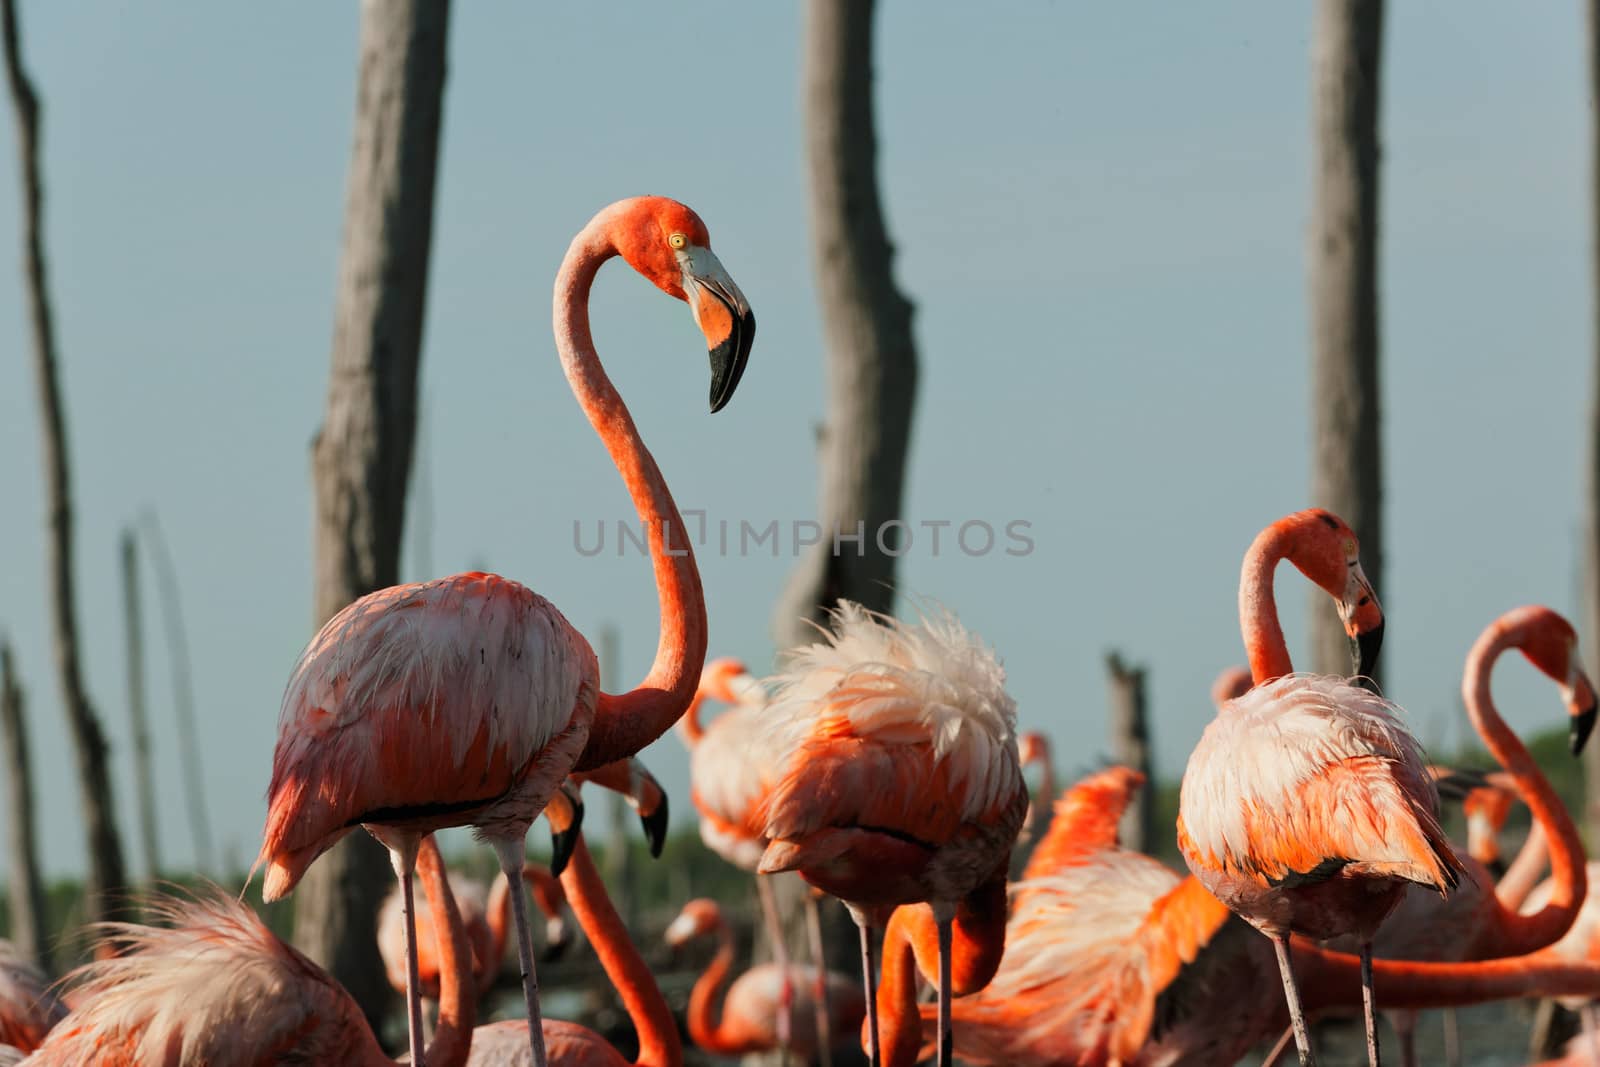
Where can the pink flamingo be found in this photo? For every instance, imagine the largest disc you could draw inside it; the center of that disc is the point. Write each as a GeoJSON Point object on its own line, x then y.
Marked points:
{"type": "Point", "coordinates": [1034, 747]}
{"type": "Point", "coordinates": [1307, 806]}
{"type": "Point", "coordinates": [570, 1045]}
{"type": "Point", "coordinates": [467, 700]}
{"type": "Point", "coordinates": [28, 1006]}
{"type": "Point", "coordinates": [901, 784]}
{"type": "Point", "coordinates": [217, 987]}
{"type": "Point", "coordinates": [745, 1020]}
{"type": "Point", "coordinates": [1231, 684]}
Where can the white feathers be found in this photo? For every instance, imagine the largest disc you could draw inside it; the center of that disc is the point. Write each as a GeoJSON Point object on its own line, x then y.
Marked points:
{"type": "Point", "coordinates": [26, 999]}
{"type": "Point", "coordinates": [1262, 747]}
{"type": "Point", "coordinates": [932, 682]}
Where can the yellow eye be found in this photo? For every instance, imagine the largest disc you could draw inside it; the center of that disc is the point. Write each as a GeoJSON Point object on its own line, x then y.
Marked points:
{"type": "Point", "coordinates": [677, 240]}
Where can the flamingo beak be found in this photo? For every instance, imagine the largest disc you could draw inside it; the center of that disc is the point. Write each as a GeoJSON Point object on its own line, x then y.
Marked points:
{"type": "Point", "coordinates": [655, 827]}
{"type": "Point", "coordinates": [723, 315]}
{"type": "Point", "coordinates": [1581, 707]}
{"type": "Point", "coordinates": [1363, 621]}
{"type": "Point", "coordinates": [564, 838]}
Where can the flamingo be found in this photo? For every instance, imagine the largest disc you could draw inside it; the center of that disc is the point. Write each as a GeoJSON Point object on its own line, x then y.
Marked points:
{"type": "Point", "coordinates": [1034, 747]}
{"type": "Point", "coordinates": [1231, 684]}
{"type": "Point", "coordinates": [467, 700]}
{"type": "Point", "coordinates": [901, 783]}
{"type": "Point", "coordinates": [1085, 820]}
{"type": "Point", "coordinates": [505, 1044]}
{"type": "Point", "coordinates": [745, 1019]}
{"type": "Point", "coordinates": [1307, 807]}
{"type": "Point", "coordinates": [215, 986]}
{"type": "Point", "coordinates": [1113, 959]}
{"type": "Point", "coordinates": [1473, 923]}
{"type": "Point", "coordinates": [28, 1006]}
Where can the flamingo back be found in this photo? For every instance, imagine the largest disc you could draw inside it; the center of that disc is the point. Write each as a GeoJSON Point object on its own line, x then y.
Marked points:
{"type": "Point", "coordinates": [728, 780]}
{"type": "Point", "coordinates": [214, 987]}
{"type": "Point", "coordinates": [1581, 942]}
{"type": "Point", "coordinates": [896, 726]}
{"type": "Point", "coordinates": [1306, 777]}
{"type": "Point", "coordinates": [28, 1006]}
{"type": "Point", "coordinates": [421, 705]}
{"type": "Point", "coordinates": [753, 1002]}
{"type": "Point", "coordinates": [505, 1044]}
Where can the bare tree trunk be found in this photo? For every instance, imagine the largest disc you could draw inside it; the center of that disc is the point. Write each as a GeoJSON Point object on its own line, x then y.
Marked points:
{"type": "Point", "coordinates": [105, 876]}
{"type": "Point", "coordinates": [1130, 746]}
{"type": "Point", "coordinates": [144, 787]}
{"type": "Point", "coordinates": [194, 790]}
{"type": "Point", "coordinates": [362, 453]}
{"type": "Point", "coordinates": [26, 893]}
{"type": "Point", "coordinates": [1347, 462]}
{"type": "Point", "coordinates": [872, 359]}
{"type": "Point", "coordinates": [1591, 601]}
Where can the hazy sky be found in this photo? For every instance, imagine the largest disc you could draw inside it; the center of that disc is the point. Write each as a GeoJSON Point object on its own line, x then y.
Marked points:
{"type": "Point", "coordinates": [1099, 211]}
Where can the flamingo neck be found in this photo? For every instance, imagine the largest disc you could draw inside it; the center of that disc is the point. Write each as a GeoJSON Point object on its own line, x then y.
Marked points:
{"type": "Point", "coordinates": [690, 725]}
{"type": "Point", "coordinates": [1332, 980]}
{"type": "Point", "coordinates": [1523, 874]}
{"type": "Point", "coordinates": [627, 722]}
{"type": "Point", "coordinates": [899, 1020]}
{"type": "Point", "coordinates": [458, 1004]}
{"type": "Point", "coordinates": [1258, 608]}
{"type": "Point", "coordinates": [1525, 933]}
{"type": "Point", "coordinates": [586, 893]}
{"type": "Point", "coordinates": [707, 1027]}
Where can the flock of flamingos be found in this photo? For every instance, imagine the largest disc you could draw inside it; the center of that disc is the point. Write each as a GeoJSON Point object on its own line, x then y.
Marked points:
{"type": "Point", "coordinates": [883, 765]}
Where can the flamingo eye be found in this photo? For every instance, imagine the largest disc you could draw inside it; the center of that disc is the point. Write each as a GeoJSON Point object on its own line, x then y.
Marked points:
{"type": "Point", "coordinates": [677, 240]}
{"type": "Point", "coordinates": [1350, 549]}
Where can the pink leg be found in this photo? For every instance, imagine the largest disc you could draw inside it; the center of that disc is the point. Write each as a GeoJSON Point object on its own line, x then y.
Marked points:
{"type": "Point", "coordinates": [404, 859]}
{"type": "Point", "coordinates": [1281, 1049]}
{"type": "Point", "coordinates": [1369, 1004]}
{"type": "Point", "coordinates": [869, 980]}
{"type": "Point", "coordinates": [510, 853]}
{"type": "Point", "coordinates": [944, 914]}
{"type": "Point", "coordinates": [1297, 1017]}
{"type": "Point", "coordinates": [819, 995]}
{"type": "Point", "coordinates": [780, 956]}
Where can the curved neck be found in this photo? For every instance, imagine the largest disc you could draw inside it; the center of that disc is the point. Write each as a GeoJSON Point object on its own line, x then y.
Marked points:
{"type": "Point", "coordinates": [706, 1025]}
{"type": "Point", "coordinates": [625, 723]}
{"type": "Point", "coordinates": [586, 893]}
{"type": "Point", "coordinates": [1258, 609]}
{"type": "Point", "coordinates": [458, 1005]}
{"type": "Point", "coordinates": [1523, 874]}
{"type": "Point", "coordinates": [690, 725]}
{"type": "Point", "coordinates": [1524, 933]}
{"type": "Point", "coordinates": [1331, 980]}
{"type": "Point", "coordinates": [899, 1020]}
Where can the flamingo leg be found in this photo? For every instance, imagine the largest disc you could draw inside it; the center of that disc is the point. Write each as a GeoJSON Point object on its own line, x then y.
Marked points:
{"type": "Point", "coordinates": [1452, 1039]}
{"type": "Point", "coordinates": [1405, 1030]}
{"type": "Point", "coordinates": [1591, 1030]}
{"type": "Point", "coordinates": [1276, 1054]}
{"type": "Point", "coordinates": [819, 995]}
{"type": "Point", "coordinates": [403, 855]}
{"type": "Point", "coordinates": [869, 981]}
{"type": "Point", "coordinates": [780, 956]}
{"type": "Point", "coordinates": [944, 915]}
{"type": "Point", "coordinates": [510, 853]}
{"type": "Point", "coordinates": [1369, 1004]}
{"type": "Point", "coordinates": [1297, 1017]}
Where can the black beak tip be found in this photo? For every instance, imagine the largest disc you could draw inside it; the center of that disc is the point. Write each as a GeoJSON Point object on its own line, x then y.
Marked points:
{"type": "Point", "coordinates": [1367, 645]}
{"type": "Point", "coordinates": [728, 360]}
{"type": "Point", "coordinates": [655, 828]}
{"type": "Point", "coordinates": [1582, 727]}
{"type": "Point", "coordinates": [563, 843]}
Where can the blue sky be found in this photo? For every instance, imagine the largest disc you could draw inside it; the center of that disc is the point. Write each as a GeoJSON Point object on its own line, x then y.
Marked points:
{"type": "Point", "coordinates": [1099, 211]}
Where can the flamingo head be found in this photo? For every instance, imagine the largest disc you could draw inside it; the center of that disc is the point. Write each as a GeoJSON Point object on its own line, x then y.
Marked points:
{"type": "Point", "coordinates": [1231, 684]}
{"type": "Point", "coordinates": [1551, 644]}
{"type": "Point", "coordinates": [667, 243]}
{"type": "Point", "coordinates": [698, 917]}
{"type": "Point", "coordinates": [728, 680]}
{"type": "Point", "coordinates": [1328, 553]}
{"type": "Point", "coordinates": [1486, 808]}
{"type": "Point", "coordinates": [1033, 747]}
{"type": "Point", "coordinates": [551, 897]}
{"type": "Point", "coordinates": [564, 813]}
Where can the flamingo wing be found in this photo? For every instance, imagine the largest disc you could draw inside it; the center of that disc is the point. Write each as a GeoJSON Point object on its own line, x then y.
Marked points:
{"type": "Point", "coordinates": [1084, 821]}
{"type": "Point", "coordinates": [1308, 776]}
{"type": "Point", "coordinates": [421, 702]}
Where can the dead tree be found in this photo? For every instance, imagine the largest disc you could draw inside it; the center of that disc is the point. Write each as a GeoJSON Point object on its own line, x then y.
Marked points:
{"type": "Point", "coordinates": [361, 457]}
{"type": "Point", "coordinates": [1347, 457]}
{"type": "Point", "coordinates": [104, 887]}
{"type": "Point", "coordinates": [194, 791]}
{"type": "Point", "coordinates": [138, 722]}
{"type": "Point", "coordinates": [28, 930]}
{"type": "Point", "coordinates": [1130, 746]}
{"type": "Point", "coordinates": [871, 356]}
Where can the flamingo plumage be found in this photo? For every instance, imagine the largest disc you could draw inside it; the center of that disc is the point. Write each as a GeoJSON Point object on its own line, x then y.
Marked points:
{"type": "Point", "coordinates": [1307, 806]}
{"type": "Point", "coordinates": [731, 1020]}
{"type": "Point", "coordinates": [29, 1008]}
{"type": "Point", "coordinates": [216, 986]}
{"type": "Point", "coordinates": [467, 700]}
{"type": "Point", "coordinates": [901, 783]}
